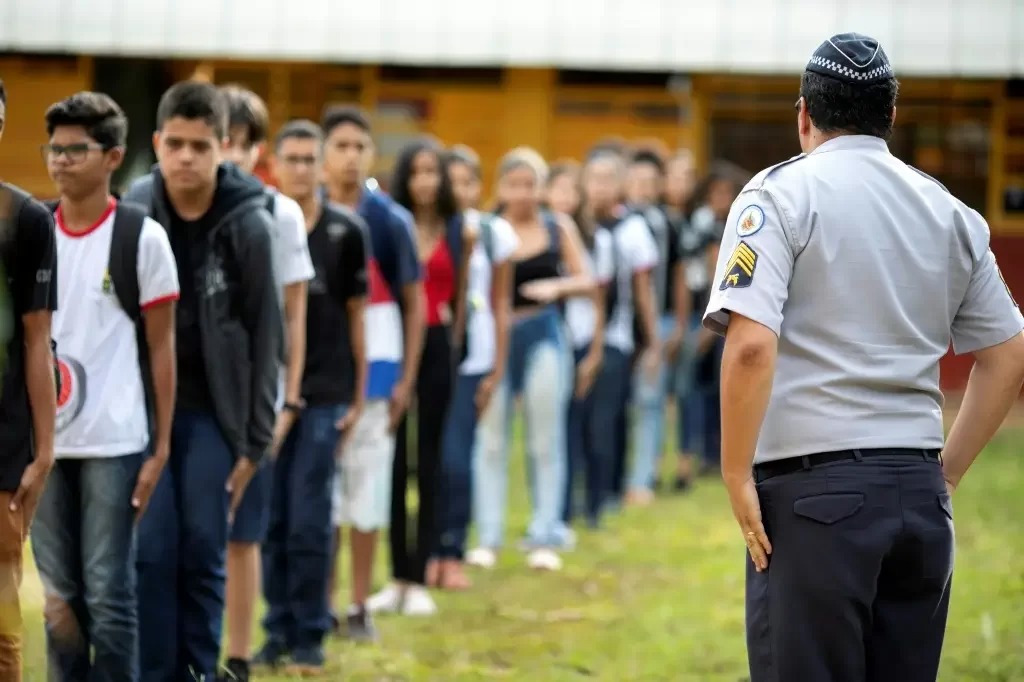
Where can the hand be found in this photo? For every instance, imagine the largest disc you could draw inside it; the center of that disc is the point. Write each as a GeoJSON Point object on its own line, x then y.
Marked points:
{"type": "Point", "coordinates": [674, 344]}
{"type": "Point", "coordinates": [399, 403]}
{"type": "Point", "coordinates": [33, 481]}
{"type": "Point", "coordinates": [650, 363]}
{"type": "Point", "coordinates": [541, 290]}
{"type": "Point", "coordinates": [62, 625]}
{"type": "Point", "coordinates": [238, 481]}
{"type": "Point", "coordinates": [346, 426]}
{"type": "Point", "coordinates": [586, 374]}
{"type": "Point", "coordinates": [747, 509]}
{"type": "Point", "coordinates": [149, 476]}
{"type": "Point", "coordinates": [484, 392]}
{"type": "Point", "coordinates": [286, 419]}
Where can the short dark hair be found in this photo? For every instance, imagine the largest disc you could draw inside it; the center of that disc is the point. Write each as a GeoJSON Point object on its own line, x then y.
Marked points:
{"type": "Point", "coordinates": [648, 157]}
{"type": "Point", "coordinates": [446, 205]}
{"type": "Point", "coordinates": [340, 115]}
{"type": "Point", "coordinates": [194, 100]}
{"type": "Point", "coordinates": [465, 155]}
{"type": "Point", "coordinates": [246, 109]}
{"type": "Point", "coordinates": [564, 167]}
{"type": "Point", "coordinates": [102, 118]}
{"type": "Point", "coordinates": [299, 129]}
{"type": "Point", "coordinates": [3, 93]}
{"type": "Point", "coordinates": [837, 106]}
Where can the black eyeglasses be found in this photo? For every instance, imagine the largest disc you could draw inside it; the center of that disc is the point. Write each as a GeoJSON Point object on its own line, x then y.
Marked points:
{"type": "Point", "coordinates": [74, 153]}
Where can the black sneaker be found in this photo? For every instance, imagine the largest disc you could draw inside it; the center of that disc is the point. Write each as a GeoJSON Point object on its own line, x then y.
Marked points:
{"type": "Point", "coordinates": [271, 655]}
{"type": "Point", "coordinates": [306, 661]}
{"type": "Point", "coordinates": [235, 670]}
{"type": "Point", "coordinates": [360, 626]}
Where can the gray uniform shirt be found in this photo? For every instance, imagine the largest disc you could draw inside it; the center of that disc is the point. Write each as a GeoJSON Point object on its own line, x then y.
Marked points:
{"type": "Point", "coordinates": [866, 269]}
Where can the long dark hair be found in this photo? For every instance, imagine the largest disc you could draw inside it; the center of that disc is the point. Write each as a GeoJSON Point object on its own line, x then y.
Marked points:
{"type": "Point", "coordinates": [447, 208]}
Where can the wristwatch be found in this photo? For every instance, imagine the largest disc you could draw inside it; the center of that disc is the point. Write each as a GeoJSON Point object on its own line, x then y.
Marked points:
{"type": "Point", "coordinates": [294, 408]}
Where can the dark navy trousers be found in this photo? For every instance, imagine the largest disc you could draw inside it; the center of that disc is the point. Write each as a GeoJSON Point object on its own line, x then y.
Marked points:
{"type": "Point", "coordinates": [858, 583]}
{"type": "Point", "coordinates": [182, 541]}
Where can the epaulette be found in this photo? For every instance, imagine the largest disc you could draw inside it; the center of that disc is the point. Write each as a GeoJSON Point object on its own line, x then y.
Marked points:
{"type": "Point", "coordinates": [757, 182]}
{"type": "Point", "coordinates": [925, 175]}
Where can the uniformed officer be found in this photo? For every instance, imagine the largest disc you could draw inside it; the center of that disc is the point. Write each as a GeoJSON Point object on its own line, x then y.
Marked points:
{"type": "Point", "coordinates": [844, 274]}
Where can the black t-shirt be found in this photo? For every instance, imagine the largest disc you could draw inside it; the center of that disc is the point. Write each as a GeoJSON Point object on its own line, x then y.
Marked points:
{"type": "Point", "coordinates": [193, 391]}
{"type": "Point", "coordinates": [337, 247]}
{"type": "Point", "coordinates": [29, 259]}
{"type": "Point", "coordinates": [673, 256]}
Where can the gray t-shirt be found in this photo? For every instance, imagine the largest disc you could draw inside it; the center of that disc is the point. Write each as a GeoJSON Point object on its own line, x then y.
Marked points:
{"type": "Point", "coordinates": [867, 270]}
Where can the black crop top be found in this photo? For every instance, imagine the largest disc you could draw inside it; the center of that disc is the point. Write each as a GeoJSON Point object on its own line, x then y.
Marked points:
{"type": "Point", "coordinates": [544, 265]}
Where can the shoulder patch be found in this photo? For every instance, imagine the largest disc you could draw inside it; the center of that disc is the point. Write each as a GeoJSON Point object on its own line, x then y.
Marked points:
{"type": "Point", "coordinates": [751, 220]}
{"type": "Point", "coordinates": [739, 270]}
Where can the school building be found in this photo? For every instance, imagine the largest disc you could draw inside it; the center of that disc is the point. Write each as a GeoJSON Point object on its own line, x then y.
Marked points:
{"type": "Point", "coordinates": [719, 78]}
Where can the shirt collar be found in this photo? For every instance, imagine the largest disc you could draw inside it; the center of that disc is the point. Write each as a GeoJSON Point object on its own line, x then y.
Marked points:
{"type": "Point", "coordinates": [841, 142]}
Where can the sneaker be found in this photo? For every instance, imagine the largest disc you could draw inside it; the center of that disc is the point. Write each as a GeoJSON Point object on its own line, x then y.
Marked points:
{"type": "Point", "coordinates": [544, 560]}
{"type": "Point", "coordinates": [306, 661]}
{"type": "Point", "coordinates": [388, 600]}
{"type": "Point", "coordinates": [360, 625]}
{"type": "Point", "coordinates": [271, 655]}
{"type": "Point", "coordinates": [235, 670]}
{"type": "Point", "coordinates": [482, 557]}
{"type": "Point", "coordinates": [418, 602]}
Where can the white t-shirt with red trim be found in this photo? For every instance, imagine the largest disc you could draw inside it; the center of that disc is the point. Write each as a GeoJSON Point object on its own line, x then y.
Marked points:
{"type": "Point", "coordinates": [101, 408]}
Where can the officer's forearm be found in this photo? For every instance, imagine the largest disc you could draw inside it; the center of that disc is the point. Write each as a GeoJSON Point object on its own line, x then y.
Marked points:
{"type": "Point", "coordinates": [748, 365]}
{"type": "Point", "coordinates": [991, 391]}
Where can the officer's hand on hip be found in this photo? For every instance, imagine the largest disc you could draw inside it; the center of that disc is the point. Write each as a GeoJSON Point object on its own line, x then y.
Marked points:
{"type": "Point", "coordinates": [747, 508]}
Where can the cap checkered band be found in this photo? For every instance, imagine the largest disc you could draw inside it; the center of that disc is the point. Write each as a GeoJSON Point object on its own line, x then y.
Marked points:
{"type": "Point", "coordinates": [877, 72]}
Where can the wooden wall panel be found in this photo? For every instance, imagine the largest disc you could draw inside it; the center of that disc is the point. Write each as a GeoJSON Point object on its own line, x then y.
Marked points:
{"type": "Point", "coordinates": [33, 84]}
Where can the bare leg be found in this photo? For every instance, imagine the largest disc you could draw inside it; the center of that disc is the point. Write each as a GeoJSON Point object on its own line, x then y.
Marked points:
{"type": "Point", "coordinates": [364, 547]}
{"type": "Point", "coordinates": [241, 592]}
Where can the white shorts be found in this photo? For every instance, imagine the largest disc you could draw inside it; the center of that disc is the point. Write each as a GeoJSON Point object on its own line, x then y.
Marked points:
{"type": "Point", "coordinates": [362, 484]}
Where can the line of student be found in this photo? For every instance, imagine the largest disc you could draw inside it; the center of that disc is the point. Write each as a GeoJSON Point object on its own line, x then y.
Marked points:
{"type": "Point", "coordinates": [235, 392]}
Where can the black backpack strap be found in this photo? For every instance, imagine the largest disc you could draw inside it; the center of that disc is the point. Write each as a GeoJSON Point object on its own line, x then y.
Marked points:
{"type": "Point", "coordinates": [123, 265]}
{"type": "Point", "coordinates": [271, 201]}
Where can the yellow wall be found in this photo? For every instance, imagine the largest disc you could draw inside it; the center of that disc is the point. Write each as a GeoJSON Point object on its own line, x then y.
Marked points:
{"type": "Point", "coordinates": [33, 84]}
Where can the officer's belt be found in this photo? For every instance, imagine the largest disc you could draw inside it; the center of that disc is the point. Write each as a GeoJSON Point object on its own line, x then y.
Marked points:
{"type": "Point", "coordinates": [807, 462]}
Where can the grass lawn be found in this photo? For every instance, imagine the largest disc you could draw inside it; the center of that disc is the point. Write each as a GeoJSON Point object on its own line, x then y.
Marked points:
{"type": "Point", "coordinates": [658, 595]}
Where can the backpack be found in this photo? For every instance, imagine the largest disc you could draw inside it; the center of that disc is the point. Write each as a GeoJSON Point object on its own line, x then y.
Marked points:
{"type": "Point", "coordinates": [15, 199]}
{"type": "Point", "coordinates": [123, 269]}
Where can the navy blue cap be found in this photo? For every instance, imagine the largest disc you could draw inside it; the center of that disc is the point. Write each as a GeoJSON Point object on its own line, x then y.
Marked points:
{"type": "Point", "coordinates": [852, 58]}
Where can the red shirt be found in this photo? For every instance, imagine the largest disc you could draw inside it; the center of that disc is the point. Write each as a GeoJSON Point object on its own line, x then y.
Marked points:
{"type": "Point", "coordinates": [439, 284]}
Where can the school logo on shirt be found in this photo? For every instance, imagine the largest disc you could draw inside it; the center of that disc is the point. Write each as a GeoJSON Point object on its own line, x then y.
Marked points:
{"type": "Point", "coordinates": [72, 391]}
{"type": "Point", "coordinates": [739, 271]}
{"type": "Point", "coordinates": [751, 220]}
{"type": "Point", "coordinates": [107, 285]}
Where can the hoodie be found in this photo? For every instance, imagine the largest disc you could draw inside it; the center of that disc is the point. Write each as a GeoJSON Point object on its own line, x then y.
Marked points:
{"type": "Point", "coordinates": [230, 328]}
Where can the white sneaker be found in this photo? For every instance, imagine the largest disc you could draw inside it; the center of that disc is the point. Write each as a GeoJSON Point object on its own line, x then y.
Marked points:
{"type": "Point", "coordinates": [544, 560]}
{"type": "Point", "coordinates": [481, 557]}
{"type": "Point", "coordinates": [388, 600]}
{"type": "Point", "coordinates": [418, 602]}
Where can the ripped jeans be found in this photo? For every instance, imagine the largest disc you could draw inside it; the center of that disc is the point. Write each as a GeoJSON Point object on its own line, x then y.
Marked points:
{"type": "Point", "coordinates": [540, 370]}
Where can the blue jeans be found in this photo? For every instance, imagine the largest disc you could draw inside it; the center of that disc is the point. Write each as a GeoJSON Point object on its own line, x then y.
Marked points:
{"type": "Point", "coordinates": [182, 542]}
{"type": "Point", "coordinates": [296, 552]}
{"type": "Point", "coordinates": [540, 370]}
{"type": "Point", "coordinates": [590, 444]}
{"type": "Point", "coordinates": [455, 497]}
{"type": "Point", "coordinates": [649, 395]}
{"type": "Point", "coordinates": [689, 398]}
{"type": "Point", "coordinates": [83, 540]}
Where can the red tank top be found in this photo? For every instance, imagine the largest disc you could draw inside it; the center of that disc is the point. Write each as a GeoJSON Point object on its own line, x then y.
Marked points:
{"type": "Point", "coordinates": [439, 284]}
